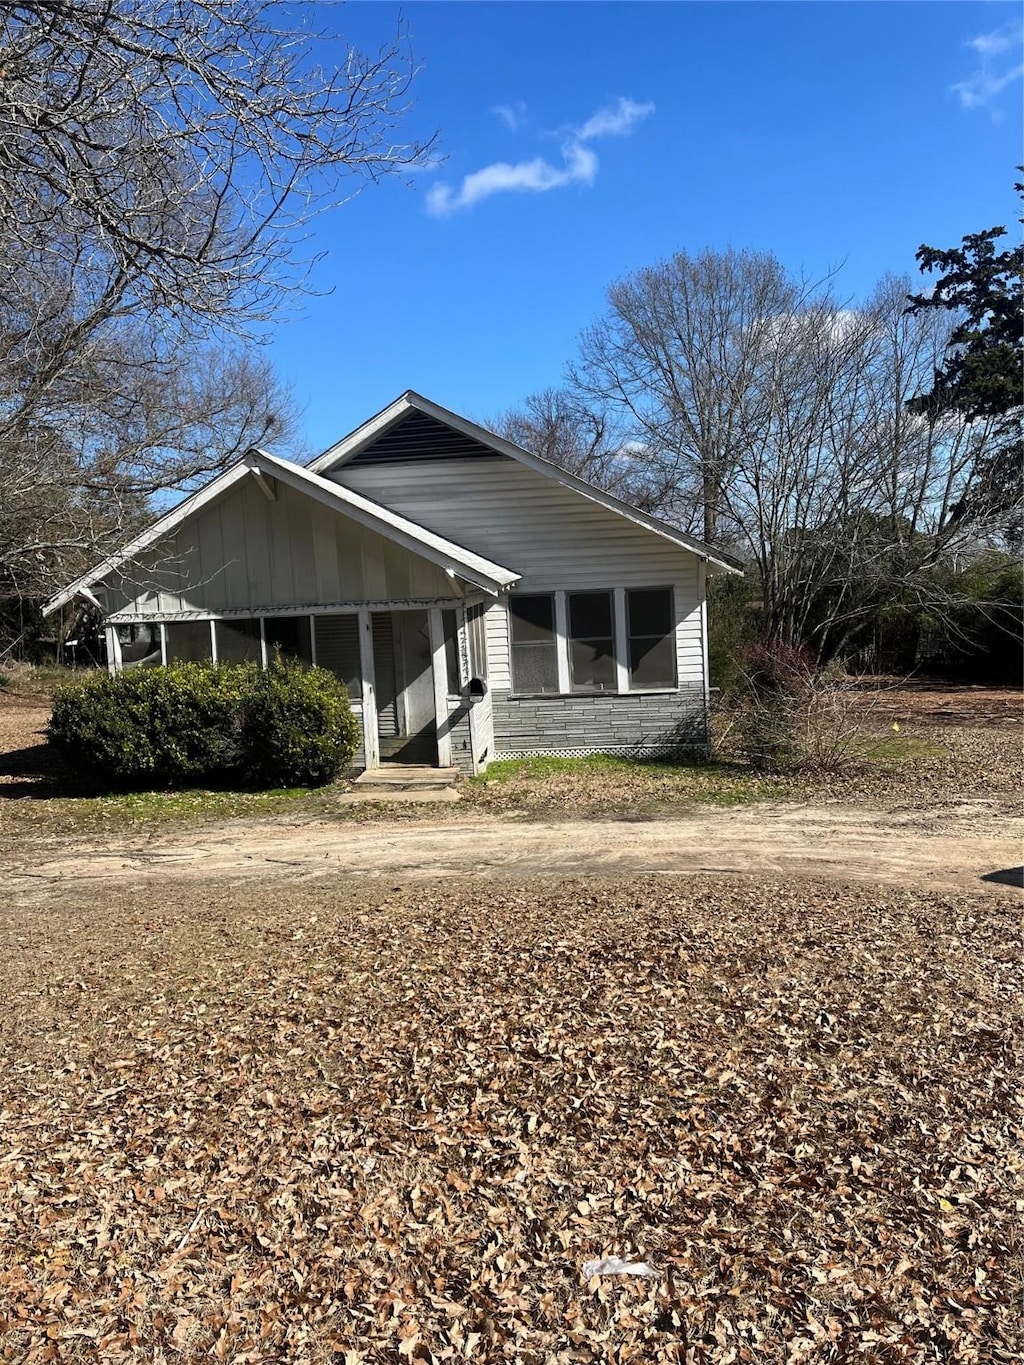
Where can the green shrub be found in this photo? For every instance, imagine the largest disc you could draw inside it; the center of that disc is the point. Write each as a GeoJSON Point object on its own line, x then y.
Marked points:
{"type": "Point", "coordinates": [153, 726]}
{"type": "Point", "coordinates": [200, 723]}
{"type": "Point", "coordinates": [297, 728]}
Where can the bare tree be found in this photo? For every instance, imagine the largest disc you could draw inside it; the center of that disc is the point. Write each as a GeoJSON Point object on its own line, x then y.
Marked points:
{"type": "Point", "coordinates": [159, 160]}
{"type": "Point", "coordinates": [782, 413]}
{"type": "Point", "coordinates": [80, 477]}
{"type": "Point", "coordinates": [678, 354]}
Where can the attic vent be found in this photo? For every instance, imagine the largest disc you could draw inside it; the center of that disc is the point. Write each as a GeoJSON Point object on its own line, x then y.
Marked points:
{"type": "Point", "coordinates": [419, 437]}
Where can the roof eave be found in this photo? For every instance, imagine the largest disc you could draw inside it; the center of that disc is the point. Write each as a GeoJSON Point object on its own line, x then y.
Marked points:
{"type": "Point", "coordinates": [349, 447]}
{"type": "Point", "coordinates": [473, 569]}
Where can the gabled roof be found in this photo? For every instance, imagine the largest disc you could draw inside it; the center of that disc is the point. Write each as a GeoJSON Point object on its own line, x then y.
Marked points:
{"type": "Point", "coordinates": [454, 559]}
{"type": "Point", "coordinates": [471, 435]}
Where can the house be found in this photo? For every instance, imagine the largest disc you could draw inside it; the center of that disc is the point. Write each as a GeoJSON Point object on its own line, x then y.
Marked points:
{"type": "Point", "coordinates": [478, 601]}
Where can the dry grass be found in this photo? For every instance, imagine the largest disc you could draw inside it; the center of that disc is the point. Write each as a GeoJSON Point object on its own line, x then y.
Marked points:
{"type": "Point", "coordinates": [372, 1124]}
{"type": "Point", "coordinates": [952, 746]}
{"type": "Point", "coordinates": [921, 767]}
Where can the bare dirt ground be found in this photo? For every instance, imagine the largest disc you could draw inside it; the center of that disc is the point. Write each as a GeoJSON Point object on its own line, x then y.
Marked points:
{"type": "Point", "coordinates": [942, 704]}
{"type": "Point", "coordinates": [835, 841]}
{"type": "Point", "coordinates": [947, 822]}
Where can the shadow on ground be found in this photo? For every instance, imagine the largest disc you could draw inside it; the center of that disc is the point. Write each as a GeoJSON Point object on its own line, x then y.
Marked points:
{"type": "Point", "coordinates": [37, 771]}
{"type": "Point", "coordinates": [1008, 876]}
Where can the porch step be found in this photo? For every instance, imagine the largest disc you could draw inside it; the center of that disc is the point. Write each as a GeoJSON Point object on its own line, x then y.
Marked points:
{"type": "Point", "coordinates": [407, 775]}
{"type": "Point", "coordinates": [403, 782]}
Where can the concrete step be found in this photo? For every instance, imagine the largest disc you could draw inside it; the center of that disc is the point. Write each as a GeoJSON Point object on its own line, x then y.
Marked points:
{"type": "Point", "coordinates": [398, 795]}
{"type": "Point", "coordinates": [407, 777]}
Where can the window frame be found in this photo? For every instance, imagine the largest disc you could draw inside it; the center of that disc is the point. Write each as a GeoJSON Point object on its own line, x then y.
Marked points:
{"type": "Point", "coordinates": [629, 635]}
{"type": "Point", "coordinates": [555, 645]}
{"type": "Point", "coordinates": [577, 690]}
{"type": "Point", "coordinates": [620, 642]}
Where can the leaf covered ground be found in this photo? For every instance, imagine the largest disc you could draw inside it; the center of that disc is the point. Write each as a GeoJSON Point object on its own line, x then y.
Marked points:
{"type": "Point", "coordinates": [366, 1123]}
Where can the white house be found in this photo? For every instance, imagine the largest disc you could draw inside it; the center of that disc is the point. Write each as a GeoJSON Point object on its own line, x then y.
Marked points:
{"type": "Point", "coordinates": [478, 601]}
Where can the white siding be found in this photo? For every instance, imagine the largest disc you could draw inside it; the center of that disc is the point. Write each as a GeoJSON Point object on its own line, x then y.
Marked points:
{"type": "Point", "coordinates": [246, 553]}
{"type": "Point", "coordinates": [552, 535]}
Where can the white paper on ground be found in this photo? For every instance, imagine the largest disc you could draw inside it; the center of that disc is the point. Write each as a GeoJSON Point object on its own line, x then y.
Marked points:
{"type": "Point", "coordinates": [614, 1265]}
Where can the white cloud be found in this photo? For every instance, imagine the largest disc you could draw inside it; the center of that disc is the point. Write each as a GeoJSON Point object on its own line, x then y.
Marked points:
{"type": "Point", "coordinates": [998, 41]}
{"type": "Point", "coordinates": [614, 120]}
{"type": "Point", "coordinates": [579, 168]}
{"type": "Point", "coordinates": [511, 115]}
{"type": "Point", "coordinates": [579, 163]}
{"type": "Point", "coordinates": [991, 77]}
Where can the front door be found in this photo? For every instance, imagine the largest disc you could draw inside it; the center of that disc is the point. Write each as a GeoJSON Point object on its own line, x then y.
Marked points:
{"type": "Point", "coordinates": [405, 687]}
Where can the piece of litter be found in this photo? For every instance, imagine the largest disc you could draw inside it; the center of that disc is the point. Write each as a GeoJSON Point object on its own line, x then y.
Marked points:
{"type": "Point", "coordinates": [614, 1265]}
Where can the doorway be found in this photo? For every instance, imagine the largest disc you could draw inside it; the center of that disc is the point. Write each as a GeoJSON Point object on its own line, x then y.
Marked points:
{"type": "Point", "coordinates": [403, 669]}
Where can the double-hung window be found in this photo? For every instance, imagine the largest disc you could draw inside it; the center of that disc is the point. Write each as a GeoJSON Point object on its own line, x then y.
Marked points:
{"type": "Point", "coordinates": [652, 643]}
{"type": "Point", "coordinates": [592, 642]}
{"type": "Point", "coordinates": [533, 643]}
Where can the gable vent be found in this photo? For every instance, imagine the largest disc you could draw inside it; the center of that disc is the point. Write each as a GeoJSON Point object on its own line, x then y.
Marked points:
{"type": "Point", "coordinates": [419, 437]}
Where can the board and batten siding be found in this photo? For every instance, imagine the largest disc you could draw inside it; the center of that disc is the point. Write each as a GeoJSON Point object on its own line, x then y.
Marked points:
{"type": "Point", "coordinates": [553, 535]}
{"type": "Point", "coordinates": [245, 553]}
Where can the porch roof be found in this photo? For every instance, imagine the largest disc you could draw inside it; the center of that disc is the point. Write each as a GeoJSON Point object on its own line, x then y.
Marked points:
{"type": "Point", "coordinates": [455, 559]}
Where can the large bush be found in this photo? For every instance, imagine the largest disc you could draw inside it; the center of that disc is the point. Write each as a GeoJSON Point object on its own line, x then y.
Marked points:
{"type": "Point", "coordinates": [202, 723]}
{"type": "Point", "coordinates": [784, 712]}
{"type": "Point", "coordinates": [297, 728]}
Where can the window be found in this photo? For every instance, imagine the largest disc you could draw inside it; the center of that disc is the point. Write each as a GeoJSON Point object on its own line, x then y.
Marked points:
{"type": "Point", "coordinates": [652, 642]}
{"type": "Point", "coordinates": [140, 645]}
{"type": "Point", "coordinates": [188, 642]}
{"type": "Point", "coordinates": [591, 642]}
{"type": "Point", "coordinates": [238, 642]}
{"type": "Point", "coordinates": [288, 636]}
{"type": "Point", "coordinates": [533, 643]}
{"type": "Point", "coordinates": [450, 626]}
{"type": "Point", "coordinates": [337, 648]}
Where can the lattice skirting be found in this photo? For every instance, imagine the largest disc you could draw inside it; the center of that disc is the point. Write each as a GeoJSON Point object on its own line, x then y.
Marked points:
{"type": "Point", "coordinates": [612, 750]}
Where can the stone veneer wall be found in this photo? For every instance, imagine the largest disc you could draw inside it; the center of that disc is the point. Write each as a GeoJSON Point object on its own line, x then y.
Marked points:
{"type": "Point", "coordinates": [458, 723]}
{"type": "Point", "coordinates": [653, 723]}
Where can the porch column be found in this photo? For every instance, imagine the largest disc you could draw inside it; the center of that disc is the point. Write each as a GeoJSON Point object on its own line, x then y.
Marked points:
{"type": "Point", "coordinates": [371, 743]}
{"type": "Point", "coordinates": [113, 649]}
{"type": "Point", "coordinates": [439, 668]}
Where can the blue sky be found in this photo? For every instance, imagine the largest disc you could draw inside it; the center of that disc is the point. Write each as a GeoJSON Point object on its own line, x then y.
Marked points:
{"type": "Point", "coordinates": [584, 141]}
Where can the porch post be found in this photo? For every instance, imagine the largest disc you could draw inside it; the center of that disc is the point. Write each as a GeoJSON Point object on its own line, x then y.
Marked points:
{"type": "Point", "coordinates": [439, 668]}
{"type": "Point", "coordinates": [113, 649]}
{"type": "Point", "coordinates": [371, 744]}
{"type": "Point", "coordinates": [702, 592]}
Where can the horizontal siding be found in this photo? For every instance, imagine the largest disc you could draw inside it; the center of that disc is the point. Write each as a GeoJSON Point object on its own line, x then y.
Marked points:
{"type": "Point", "coordinates": [554, 536]}
{"type": "Point", "coordinates": [530, 725]}
{"type": "Point", "coordinates": [246, 553]}
{"type": "Point", "coordinates": [496, 636]}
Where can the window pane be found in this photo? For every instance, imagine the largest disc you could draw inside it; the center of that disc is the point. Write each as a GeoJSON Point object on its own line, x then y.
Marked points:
{"type": "Point", "coordinates": [337, 648]}
{"type": "Point", "coordinates": [652, 663]}
{"type": "Point", "coordinates": [188, 642]}
{"type": "Point", "coordinates": [289, 636]}
{"type": "Point", "coordinates": [534, 668]}
{"type": "Point", "coordinates": [590, 615]}
{"type": "Point", "coordinates": [140, 646]}
{"type": "Point", "coordinates": [238, 642]}
{"type": "Point", "coordinates": [649, 611]}
{"type": "Point", "coordinates": [450, 624]}
{"type": "Point", "coordinates": [532, 618]}
{"type": "Point", "coordinates": [593, 665]}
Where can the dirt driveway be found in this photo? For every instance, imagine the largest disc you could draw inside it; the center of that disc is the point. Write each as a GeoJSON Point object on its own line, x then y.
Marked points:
{"type": "Point", "coordinates": [954, 852]}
